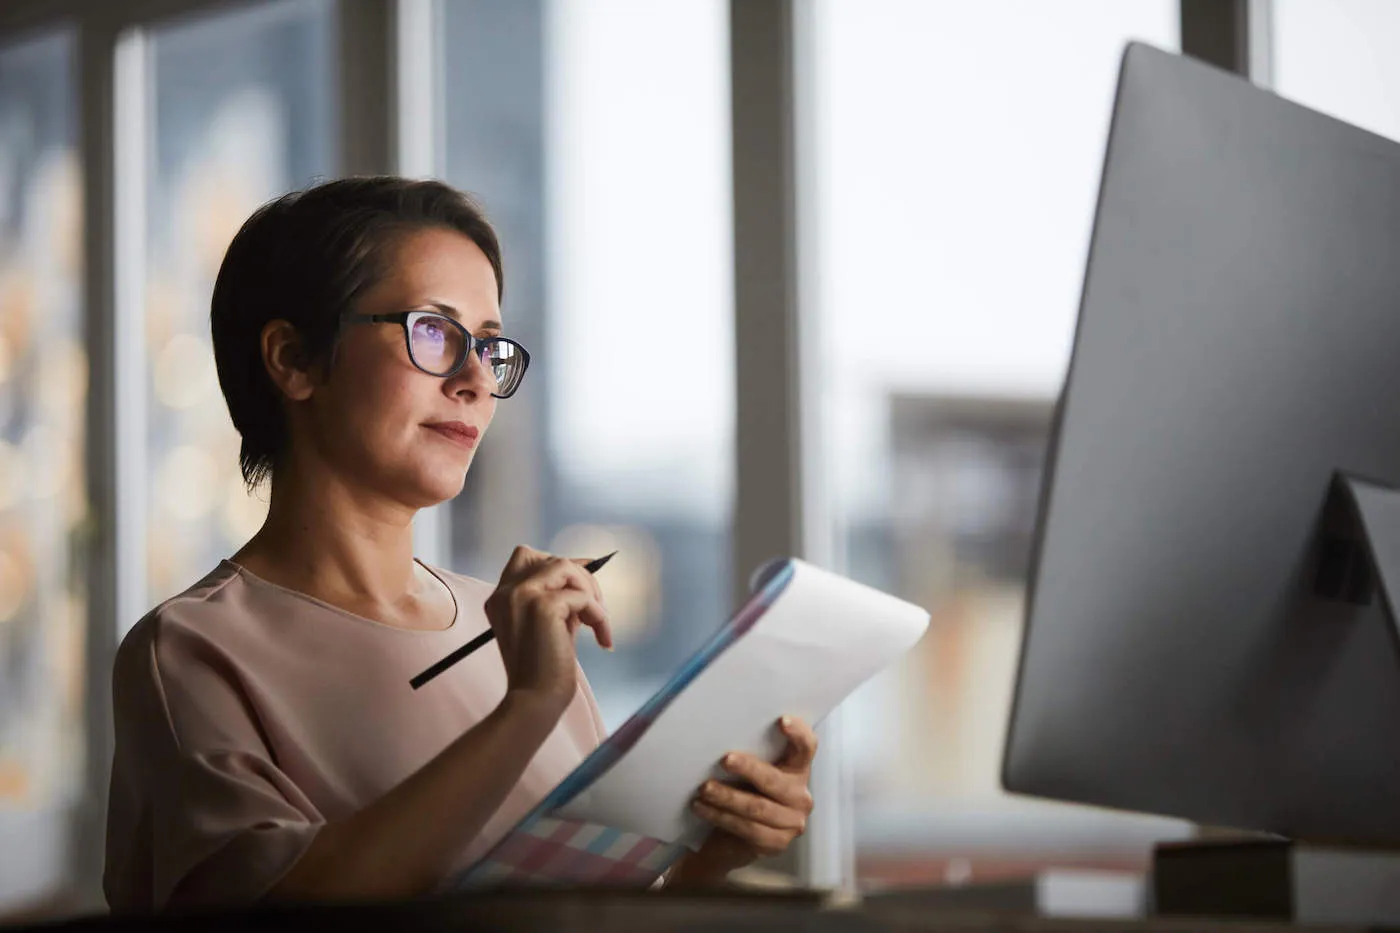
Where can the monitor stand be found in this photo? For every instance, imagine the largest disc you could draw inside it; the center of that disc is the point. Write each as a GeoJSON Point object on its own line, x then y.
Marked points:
{"type": "Point", "coordinates": [1358, 559]}
{"type": "Point", "coordinates": [1277, 879]}
{"type": "Point", "coordinates": [1359, 544]}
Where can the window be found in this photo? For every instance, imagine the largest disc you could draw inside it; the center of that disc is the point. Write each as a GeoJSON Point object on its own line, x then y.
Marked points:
{"type": "Point", "coordinates": [597, 133]}
{"type": "Point", "coordinates": [1338, 56]}
{"type": "Point", "coordinates": [957, 157]}
{"type": "Point", "coordinates": [242, 111]}
{"type": "Point", "coordinates": [43, 397]}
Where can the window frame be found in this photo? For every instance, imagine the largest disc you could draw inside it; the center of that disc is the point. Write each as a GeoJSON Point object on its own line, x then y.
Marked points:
{"type": "Point", "coordinates": [390, 117]}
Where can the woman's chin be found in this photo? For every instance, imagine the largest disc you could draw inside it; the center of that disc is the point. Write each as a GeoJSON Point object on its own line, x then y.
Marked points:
{"type": "Point", "coordinates": [421, 481]}
{"type": "Point", "coordinates": [441, 484]}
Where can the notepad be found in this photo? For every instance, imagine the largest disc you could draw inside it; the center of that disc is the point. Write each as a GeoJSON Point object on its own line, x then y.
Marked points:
{"type": "Point", "coordinates": [800, 645]}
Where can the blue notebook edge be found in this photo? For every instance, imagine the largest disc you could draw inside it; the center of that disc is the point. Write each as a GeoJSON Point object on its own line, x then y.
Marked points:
{"type": "Point", "coordinates": [770, 582]}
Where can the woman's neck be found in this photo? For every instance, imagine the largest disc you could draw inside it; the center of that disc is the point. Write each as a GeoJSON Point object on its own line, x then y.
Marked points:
{"type": "Point", "coordinates": [337, 544]}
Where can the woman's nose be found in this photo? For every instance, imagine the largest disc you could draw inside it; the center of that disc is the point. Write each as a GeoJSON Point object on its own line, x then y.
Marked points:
{"type": "Point", "coordinates": [473, 379]}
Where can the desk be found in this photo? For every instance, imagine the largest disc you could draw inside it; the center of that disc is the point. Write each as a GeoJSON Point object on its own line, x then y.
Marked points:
{"type": "Point", "coordinates": [631, 912]}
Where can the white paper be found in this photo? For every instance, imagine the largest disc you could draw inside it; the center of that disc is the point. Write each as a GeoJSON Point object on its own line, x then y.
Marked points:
{"type": "Point", "coordinates": [825, 636]}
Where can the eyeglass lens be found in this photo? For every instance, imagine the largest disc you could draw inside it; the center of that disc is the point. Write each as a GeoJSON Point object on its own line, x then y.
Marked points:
{"type": "Point", "coordinates": [505, 364]}
{"type": "Point", "coordinates": [439, 347]}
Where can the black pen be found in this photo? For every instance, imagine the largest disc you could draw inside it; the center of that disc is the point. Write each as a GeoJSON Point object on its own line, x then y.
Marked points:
{"type": "Point", "coordinates": [593, 566]}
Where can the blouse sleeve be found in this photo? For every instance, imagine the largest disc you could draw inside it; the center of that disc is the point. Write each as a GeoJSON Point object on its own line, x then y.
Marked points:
{"type": "Point", "coordinates": [600, 730]}
{"type": "Point", "coordinates": [199, 812]}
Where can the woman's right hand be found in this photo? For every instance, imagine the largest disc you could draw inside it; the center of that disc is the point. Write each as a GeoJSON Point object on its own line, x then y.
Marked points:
{"type": "Point", "coordinates": [405, 842]}
{"type": "Point", "coordinates": [535, 610]}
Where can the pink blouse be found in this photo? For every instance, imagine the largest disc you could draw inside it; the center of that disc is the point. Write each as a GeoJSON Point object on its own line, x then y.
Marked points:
{"type": "Point", "coordinates": [248, 715]}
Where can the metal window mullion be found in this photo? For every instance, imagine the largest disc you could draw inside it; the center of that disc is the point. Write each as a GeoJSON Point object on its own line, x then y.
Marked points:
{"type": "Point", "coordinates": [781, 503]}
{"type": "Point", "coordinates": [829, 857]}
{"type": "Point", "coordinates": [365, 30]}
{"type": "Point", "coordinates": [113, 147]}
{"type": "Point", "coordinates": [1236, 35]}
{"type": "Point", "coordinates": [388, 109]}
{"type": "Point", "coordinates": [417, 112]}
{"type": "Point", "coordinates": [1259, 38]}
{"type": "Point", "coordinates": [415, 121]}
{"type": "Point", "coordinates": [131, 86]}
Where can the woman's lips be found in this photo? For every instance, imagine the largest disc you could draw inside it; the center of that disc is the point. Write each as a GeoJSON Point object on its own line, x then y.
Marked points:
{"type": "Point", "coordinates": [456, 432]}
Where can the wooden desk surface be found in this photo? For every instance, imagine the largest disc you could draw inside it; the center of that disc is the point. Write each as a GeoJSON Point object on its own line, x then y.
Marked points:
{"type": "Point", "coordinates": [631, 912]}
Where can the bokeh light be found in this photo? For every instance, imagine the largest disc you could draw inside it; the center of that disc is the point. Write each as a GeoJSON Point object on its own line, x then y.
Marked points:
{"type": "Point", "coordinates": [43, 397]}
{"type": "Point", "coordinates": [162, 310]}
{"type": "Point", "coordinates": [631, 583]}
{"type": "Point", "coordinates": [12, 475]}
{"type": "Point", "coordinates": [61, 379]}
{"type": "Point", "coordinates": [243, 511]}
{"type": "Point", "coordinates": [60, 193]}
{"type": "Point", "coordinates": [186, 483]}
{"type": "Point", "coordinates": [218, 202]}
{"type": "Point", "coordinates": [44, 456]}
{"type": "Point", "coordinates": [73, 488]}
{"type": "Point", "coordinates": [11, 588]}
{"type": "Point", "coordinates": [184, 372]}
{"type": "Point", "coordinates": [16, 574]}
{"type": "Point", "coordinates": [17, 300]}
{"type": "Point", "coordinates": [14, 779]}
{"type": "Point", "coordinates": [66, 638]}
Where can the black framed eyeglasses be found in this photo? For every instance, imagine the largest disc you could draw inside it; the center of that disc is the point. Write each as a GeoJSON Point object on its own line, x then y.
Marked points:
{"type": "Point", "coordinates": [439, 346]}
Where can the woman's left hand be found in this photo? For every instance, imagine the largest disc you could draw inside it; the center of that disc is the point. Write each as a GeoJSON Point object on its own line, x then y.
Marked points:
{"type": "Point", "coordinates": [760, 819]}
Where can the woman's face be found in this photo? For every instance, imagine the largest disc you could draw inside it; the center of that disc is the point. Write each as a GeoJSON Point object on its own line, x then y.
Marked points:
{"type": "Point", "coordinates": [381, 422]}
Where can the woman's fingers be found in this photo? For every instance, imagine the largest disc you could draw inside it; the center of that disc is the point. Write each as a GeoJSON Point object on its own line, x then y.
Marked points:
{"type": "Point", "coordinates": [535, 612]}
{"type": "Point", "coordinates": [764, 839]}
{"type": "Point", "coordinates": [596, 618]}
{"type": "Point", "coordinates": [571, 607]}
{"type": "Point", "coordinates": [559, 573]}
{"type": "Point", "coordinates": [802, 744]}
{"type": "Point", "coordinates": [592, 579]}
{"type": "Point", "coordinates": [527, 564]}
{"type": "Point", "coordinates": [564, 573]}
{"type": "Point", "coordinates": [773, 782]}
{"type": "Point", "coordinates": [522, 561]}
{"type": "Point", "coordinates": [552, 573]}
{"type": "Point", "coordinates": [753, 807]}
{"type": "Point", "coordinates": [558, 605]}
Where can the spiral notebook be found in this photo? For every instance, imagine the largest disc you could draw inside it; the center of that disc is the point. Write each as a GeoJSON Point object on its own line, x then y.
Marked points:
{"type": "Point", "coordinates": [804, 640]}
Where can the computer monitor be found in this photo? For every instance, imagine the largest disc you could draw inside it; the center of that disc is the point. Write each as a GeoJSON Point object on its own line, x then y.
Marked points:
{"type": "Point", "coordinates": [1203, 639]}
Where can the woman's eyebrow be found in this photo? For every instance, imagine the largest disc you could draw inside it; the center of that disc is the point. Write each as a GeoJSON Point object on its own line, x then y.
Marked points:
{"type": "Point", "coordinates": [445, 309]}
{"type": "Point", "coordinates": [457, 315]}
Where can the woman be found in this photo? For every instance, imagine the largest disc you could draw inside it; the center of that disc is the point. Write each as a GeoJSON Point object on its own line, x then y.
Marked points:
{"type": "Point", "coordinates": [267, 743]}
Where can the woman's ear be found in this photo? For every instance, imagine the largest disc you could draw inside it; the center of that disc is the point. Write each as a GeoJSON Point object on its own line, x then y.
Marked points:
{"type": "Point", "coordinates": [284, 357]}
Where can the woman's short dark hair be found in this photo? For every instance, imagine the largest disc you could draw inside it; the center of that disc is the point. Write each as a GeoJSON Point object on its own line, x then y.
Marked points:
{"type": "Point", "coordinates": [307, 258]}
